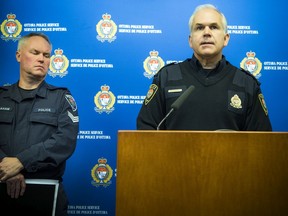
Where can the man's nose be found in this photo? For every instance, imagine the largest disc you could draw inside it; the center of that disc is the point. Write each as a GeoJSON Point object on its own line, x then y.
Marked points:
{"type": "Point", "coordinates": [41, 57]}
{"type": "Point", "coordinates": [207, 30]}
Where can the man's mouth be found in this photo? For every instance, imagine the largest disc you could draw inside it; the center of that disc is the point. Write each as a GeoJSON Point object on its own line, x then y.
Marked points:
{"type": "Point", "coordinates": [206, 43]}
{"type": "Point", "coordinates": [40, 67]}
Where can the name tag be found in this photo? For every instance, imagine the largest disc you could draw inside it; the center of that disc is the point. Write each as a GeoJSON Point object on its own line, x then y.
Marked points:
{"type": "Point", "coordinates": [50, 110]}
{"type": "Point", "coordinates": [174, 90]}
{"type": "Point", "coordinates": [5, 108]}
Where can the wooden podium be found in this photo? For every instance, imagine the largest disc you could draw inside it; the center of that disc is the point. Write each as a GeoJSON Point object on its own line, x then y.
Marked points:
{"type": "Point", "coordinates": [200, 173]}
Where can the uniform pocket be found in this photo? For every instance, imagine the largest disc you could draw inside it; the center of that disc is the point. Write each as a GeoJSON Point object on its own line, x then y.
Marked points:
{"type": "Point", "coordinates": [44, 118]}
{"type": "Point", "coordinates": [6, 117]}
{"type": "Point", "coordinates": [6, 122]}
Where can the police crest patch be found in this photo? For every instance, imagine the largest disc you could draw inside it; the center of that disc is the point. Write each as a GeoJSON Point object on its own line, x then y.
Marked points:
{"type": "Point", "coordinates": [236, 102]}
{"type": "Point", "coordinates": [151, 92]}
{"type": "Point", "coordinates": [263, 104]}
{"type": "Point", "coordinates": [71, 102]}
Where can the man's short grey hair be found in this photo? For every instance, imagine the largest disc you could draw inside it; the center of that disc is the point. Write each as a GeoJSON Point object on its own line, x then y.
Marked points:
{"type": "Point", "coordinates": [23, 39]}
{"type": "Point", "coordinates": [204, 6]}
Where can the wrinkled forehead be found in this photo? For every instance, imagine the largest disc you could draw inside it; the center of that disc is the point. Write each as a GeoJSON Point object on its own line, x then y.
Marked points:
{"type": "Point", "coordinates": [37, 43]}
{"type": "Point", "coordinates": [207, 16]}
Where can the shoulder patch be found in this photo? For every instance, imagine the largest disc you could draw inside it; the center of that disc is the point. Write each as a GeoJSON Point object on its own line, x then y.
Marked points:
{"type": "Point", "coordinates": [71, 102]}
{"type": "Point", "coordinates": [151, 92]}
{"type": "Point", "coordinates": [263, 104]}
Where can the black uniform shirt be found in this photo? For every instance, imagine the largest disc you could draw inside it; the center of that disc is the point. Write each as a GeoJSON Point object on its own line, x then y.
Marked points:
{"type": "Point", "coordinates": [40, 128]}
{"type": "Point", "coordinates": [225, 98]}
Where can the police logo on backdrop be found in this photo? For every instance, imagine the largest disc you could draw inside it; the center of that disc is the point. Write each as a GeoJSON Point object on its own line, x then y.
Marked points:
{"type": "Point", "coordinates": [104, 100]}
{"type": "Point", "coordinates": [58, 64]}
{"type": "Point", "coordinates": [252, 64]}
{"type": "Point", "coordinates": [11, 28]}
{"type": "Point", "coordinates": [152, 64]}
{"type": "Point", "coordinates": [101, 173]}
{"type": "Point", "coordinates": [106, 29]}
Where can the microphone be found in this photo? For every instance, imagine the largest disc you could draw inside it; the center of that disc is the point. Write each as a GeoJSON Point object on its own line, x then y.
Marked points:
{"type": "Point", "coordinates": [177, 103]}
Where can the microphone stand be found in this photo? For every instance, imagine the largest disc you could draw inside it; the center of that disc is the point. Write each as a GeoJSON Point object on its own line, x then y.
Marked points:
{"type": "Point", "coordinates": [158, 127]}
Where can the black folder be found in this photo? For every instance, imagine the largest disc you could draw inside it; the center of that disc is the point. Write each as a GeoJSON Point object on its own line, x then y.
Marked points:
{"type": "Point", "coordinates": [39, 199]}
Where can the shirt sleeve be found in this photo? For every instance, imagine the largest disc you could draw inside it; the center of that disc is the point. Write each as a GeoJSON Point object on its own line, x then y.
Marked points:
{"type": "Point", "coordinates": [151, 112]}
{"type": "Point", "coordinates": [257, 116]}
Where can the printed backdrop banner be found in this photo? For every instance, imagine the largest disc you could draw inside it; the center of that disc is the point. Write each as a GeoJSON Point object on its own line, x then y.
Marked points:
{"type": "Point", "coordinates": [106, 53]}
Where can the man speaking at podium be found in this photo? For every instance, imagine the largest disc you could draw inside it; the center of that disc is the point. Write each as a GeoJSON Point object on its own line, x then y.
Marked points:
{"type": "Point", "coordinates": [221, 96]}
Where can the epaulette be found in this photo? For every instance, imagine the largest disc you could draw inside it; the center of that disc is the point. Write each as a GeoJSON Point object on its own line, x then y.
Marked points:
{"type": "Point", "coordinates": [6, 86]}
{"type": "Point", "coordinates": [172, 63]}
{"type": "Point", "coordinates": [52, 87]}
{"type": "Point", "coordinates": [164, 67]}
{"type": "Point", "coordinates": [171, 71]}
{"type": "Point", "coordinates": [251, 75]}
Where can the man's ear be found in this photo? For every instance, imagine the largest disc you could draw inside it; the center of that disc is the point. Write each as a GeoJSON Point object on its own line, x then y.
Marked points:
{"type": "Point", "coordinates": [190, 41]}
{"type": "Point", "coordinates": [18, 55]}
{"type": "Point", "coordinates": [226, 39]}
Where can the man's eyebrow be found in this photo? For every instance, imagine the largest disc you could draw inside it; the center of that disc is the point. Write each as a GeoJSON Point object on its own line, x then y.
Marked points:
{"type": "Point", "coordinates": [203, 24]}
{"type": "Point", "coordinates": [38, 51]}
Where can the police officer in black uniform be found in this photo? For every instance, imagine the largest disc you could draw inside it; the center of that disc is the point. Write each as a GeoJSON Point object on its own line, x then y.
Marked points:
{"type": "Point", "coordinates": [38, 123]}
{"type": "Point", "coordinates": [224, 97]}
